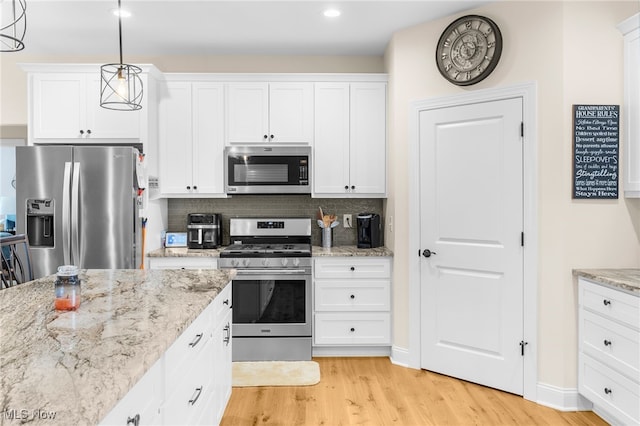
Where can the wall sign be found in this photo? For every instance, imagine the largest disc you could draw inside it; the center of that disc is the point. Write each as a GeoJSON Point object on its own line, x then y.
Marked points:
{"type": "Point", "coordinates": [596, 142]}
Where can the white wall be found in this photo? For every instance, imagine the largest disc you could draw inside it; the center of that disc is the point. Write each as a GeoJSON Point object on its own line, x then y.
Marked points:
{"type": "Point", "coordinates": [573, 51]}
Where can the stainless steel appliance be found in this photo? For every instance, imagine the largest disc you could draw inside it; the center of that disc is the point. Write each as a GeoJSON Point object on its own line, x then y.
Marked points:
{"type": "Point", "coordinates": [78, 205]}
{"type": "Point", "coordinates": [267, 170]}
{"type": "Point", "coordinates": [272, 289]}
{"type": "Point", "coordinates": [203, 230]}
{"type": "Point", "coordinates": [369, 229]}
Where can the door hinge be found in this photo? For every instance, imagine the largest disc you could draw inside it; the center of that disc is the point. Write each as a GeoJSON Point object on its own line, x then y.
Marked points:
{"type": "Point", "coordinates": [522, 345]}
{"type": "Point", "coordinates": [522, 129]}
{"type": "Point", "coordinates": [522, 239]}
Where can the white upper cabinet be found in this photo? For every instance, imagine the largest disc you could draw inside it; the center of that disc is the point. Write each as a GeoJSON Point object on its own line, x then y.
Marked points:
{"type": "Point", "coordinates": [631, 112]}
{"type": "Point", "coordinates": [192, 139]}
{"type": "Point", "coordinates": [67, 106]}
{"type": "Point", "coordinates": [350, 140]}
{"type": "Point", "coordinates": [278, 113]}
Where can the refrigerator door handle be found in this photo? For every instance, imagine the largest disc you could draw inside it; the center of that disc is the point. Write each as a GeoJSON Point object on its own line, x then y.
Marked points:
{"type": "Point", "coordinates": [66, 213]}
{"type": "Point", "coordinates": [75, 211]}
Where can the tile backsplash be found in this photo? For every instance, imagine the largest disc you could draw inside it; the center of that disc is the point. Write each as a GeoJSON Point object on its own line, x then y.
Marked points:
{"type": "Point", "coordinates": [275, 206]}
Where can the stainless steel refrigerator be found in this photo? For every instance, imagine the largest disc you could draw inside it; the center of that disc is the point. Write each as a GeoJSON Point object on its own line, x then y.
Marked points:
{"type": "Point", "coordinates": [78, 206]}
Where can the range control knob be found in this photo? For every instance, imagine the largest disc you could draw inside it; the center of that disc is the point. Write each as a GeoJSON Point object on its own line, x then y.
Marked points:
{"type": "Point", "coordinates": [296, 262]}
{"type": "Point", "coordinates": [245, 263]}
{"type": "Point", "coordinates": [265, 262]}
{"type": "Point", "coordinates": [284, 261]}
{"type": "Point", "coordinates": [235, 262]}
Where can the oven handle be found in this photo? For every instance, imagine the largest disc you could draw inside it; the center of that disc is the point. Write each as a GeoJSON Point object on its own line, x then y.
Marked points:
{"type": "Point", "coordinates": [273, 271]}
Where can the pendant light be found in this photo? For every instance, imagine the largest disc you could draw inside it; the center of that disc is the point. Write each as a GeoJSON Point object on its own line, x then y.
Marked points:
{"type": "Point", "coordinates": [121, 85]}
{"type": "Point", "coordinates": [12, 33]}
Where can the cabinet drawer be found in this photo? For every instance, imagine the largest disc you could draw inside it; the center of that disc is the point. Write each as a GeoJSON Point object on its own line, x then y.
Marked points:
{"type": "Point", "coordinates": [190, 343]}
{"type": "Point", "coordinates": [353, 267]}
{"type": "Point", "coordinates": [142, 400]}
{"type": "Point", "coordinates": [614, 392]}
{"type": "Point", "coordinates": [613, 304]}
{"type": "Point", "coordinates": [611, 343]}
{"type": "Point", "coordinates": [352, 329]}
{"type": "Point", "coordinates": [340, 295]}
{"type": "Point", "coordinates": [188, 395]}
{"type": "Point", "coordinates": [221, 305]}
{"type": "Point", "coordinates": [183, 263]}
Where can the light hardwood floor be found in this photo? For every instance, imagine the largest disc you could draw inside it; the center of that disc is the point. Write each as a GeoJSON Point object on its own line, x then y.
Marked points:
{"type": "Point", "coordinates": [372, 391]}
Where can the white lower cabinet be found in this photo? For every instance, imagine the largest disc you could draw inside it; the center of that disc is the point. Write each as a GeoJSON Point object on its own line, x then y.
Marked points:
{"type": "Point", "coordinates": [191, 383]}
{"type": "Point", "coordinates": [352, 302]}
{"type": "Point", "coordinates": [609, 351]}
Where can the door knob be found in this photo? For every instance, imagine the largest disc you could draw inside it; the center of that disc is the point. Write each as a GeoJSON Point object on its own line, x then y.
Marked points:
{"type": "Point", "coordinates": [428, 253]}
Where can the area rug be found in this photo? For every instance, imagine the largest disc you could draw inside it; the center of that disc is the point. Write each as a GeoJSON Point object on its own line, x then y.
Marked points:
{"type": "Point", "coordinates": [275, 373]}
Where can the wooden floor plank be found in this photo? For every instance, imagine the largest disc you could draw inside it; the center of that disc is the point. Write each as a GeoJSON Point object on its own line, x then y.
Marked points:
{"type": "Point", "coordinates": [373, 391]}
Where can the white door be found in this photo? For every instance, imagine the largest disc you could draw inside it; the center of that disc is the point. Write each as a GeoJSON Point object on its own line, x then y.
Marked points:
{"type": "Point", "coordinates": [471, 218]}
{"type": "Point", "coordinates": [331, 144]}
{"type": "Point", "coordinates": [291, 113]}
{"type": "Point", "coordinates": [176, 140]}
{"type": "Point", "coordinates": [208, 137]}
{"type": "Point", "coordinates": [368, 136]}
{"type": "Point", "coordinates": [247, 113]}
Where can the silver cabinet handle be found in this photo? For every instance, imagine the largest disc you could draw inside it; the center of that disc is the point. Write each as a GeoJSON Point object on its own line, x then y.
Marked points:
{"type": "Point", "coordinates": [197, 393]}
{"type": "Point", "coordinates": [135, 420]}
{"type": "Point", "coordinates": [196, 340]}
{"type": "Point", "coordinates": [227, 331]}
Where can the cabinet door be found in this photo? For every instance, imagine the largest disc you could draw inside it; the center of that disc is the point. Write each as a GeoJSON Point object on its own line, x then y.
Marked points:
{"type": "Point", "coordinates": [291, 113]}
{"type": "Point", "coordinates": [57, 105]}
{"type": "Point", "coordinates": [247, 113]}
{"type": "Point", "coordinates": [107, 123]}
{"type": "Point", "coordinates": [175, 139]}
{"type": "Point", "coordinates": [331, 144]}
{"type": "Point", "coordinates": [631, 168]}
{"type": "Point", "coordinates": [368, 148]}
{"type": "Point", "coordinates": [208, 138]}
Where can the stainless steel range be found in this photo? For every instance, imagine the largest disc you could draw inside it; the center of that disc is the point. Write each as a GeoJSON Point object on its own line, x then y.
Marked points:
{"type": "Point", "coordinates": [272, 289]}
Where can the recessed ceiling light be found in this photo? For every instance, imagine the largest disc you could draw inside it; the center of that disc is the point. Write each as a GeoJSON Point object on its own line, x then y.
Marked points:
{"type": "Point", "coordinates": [121, 12]}
{"type": "Point", "coordinates": [332, 13]}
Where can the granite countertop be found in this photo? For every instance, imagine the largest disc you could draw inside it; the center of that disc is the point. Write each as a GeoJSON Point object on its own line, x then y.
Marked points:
{"type": "Point", "coordinates": [78, 365]}
{"type": "Point", "coordinates": [627, 280]}
{"type": "Point", "coordinates": [185, 252]}
{"type": "Point", "coordinates": [316, 251]}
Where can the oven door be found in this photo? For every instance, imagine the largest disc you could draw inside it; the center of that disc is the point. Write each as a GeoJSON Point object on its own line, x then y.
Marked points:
{"type": "Point", "coordinates": [271, 303]}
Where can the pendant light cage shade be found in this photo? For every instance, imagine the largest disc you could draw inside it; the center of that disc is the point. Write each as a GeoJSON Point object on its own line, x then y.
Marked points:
{"type": "Point", "coordinates": [13, 25]}
{"type": "Point", "coordinates": [121, 87]}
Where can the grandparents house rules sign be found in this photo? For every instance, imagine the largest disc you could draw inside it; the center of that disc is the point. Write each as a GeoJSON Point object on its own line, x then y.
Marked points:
{"type": "Point", "coordinates": [596, 141]}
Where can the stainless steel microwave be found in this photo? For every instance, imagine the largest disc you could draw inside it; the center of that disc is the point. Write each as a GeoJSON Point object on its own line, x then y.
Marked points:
{"type": "Point", "coordinates": [267, 170]}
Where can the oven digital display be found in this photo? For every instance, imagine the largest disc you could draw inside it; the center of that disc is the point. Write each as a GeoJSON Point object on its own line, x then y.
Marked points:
{"type": "Point", "coordinates": [271, 224]}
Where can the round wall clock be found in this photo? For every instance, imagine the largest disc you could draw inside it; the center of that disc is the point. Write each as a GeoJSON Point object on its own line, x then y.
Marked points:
{"type": "Point", "coordinates": [469, 50]}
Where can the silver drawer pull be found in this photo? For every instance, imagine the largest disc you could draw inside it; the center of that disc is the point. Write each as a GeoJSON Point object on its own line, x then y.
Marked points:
{"type": "Point", "coordinates": [352, 296]}
{"type": "Point", "coordinates": [227, 334]}
{"type": "Point", "coordinates": [194, 398]}
{"type": "Point", "coordinates": [196, 340]}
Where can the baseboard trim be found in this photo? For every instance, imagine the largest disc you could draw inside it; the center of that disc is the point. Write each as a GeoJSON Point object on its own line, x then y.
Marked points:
{"type": "Point", "coordinates": [562, 399]}
{"type": "Point", "coordinates": [335, 351]}
{"type": "Point", "coordinates": [402, 357]}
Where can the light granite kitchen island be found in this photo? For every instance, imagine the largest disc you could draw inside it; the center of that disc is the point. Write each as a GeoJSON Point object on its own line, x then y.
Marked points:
{"type": "Point", "coordinates": [74, 367]}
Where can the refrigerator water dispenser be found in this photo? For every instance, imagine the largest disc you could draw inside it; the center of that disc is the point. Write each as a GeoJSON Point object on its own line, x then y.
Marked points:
{"type": "Point", "coordinates": [40, 215]}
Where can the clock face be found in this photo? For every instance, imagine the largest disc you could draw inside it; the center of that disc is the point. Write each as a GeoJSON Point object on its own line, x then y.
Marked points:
{"type": "Point", "coordinates": [469, 49]}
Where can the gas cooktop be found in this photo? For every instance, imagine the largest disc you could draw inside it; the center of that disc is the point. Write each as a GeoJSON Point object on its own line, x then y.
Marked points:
{"type": "Point", "coordinates": [267, 250]}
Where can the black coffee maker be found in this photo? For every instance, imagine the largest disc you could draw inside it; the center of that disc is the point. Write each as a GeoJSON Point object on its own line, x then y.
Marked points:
{"type": "Point", "coordinates": [369, 230]}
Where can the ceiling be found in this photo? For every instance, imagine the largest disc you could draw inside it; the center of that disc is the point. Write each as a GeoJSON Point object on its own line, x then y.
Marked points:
{"type": "Point", "coordinates": [215, 27]}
